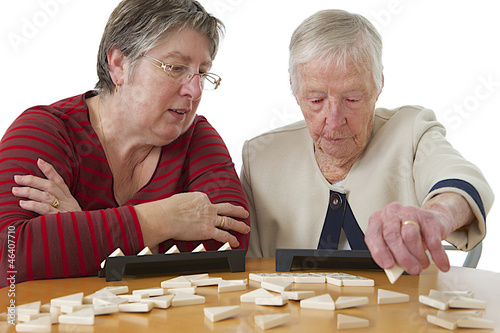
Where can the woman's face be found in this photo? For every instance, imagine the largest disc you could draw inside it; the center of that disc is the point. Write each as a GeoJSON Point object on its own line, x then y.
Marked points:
{"type": "Point", "coordinates": [338, 104]}
{"type": "Point", "coordinates": [161, 108]}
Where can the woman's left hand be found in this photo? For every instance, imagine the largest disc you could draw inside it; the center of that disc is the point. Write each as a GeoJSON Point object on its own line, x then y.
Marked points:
{"type": "Point", "coordinates": [46, 196]}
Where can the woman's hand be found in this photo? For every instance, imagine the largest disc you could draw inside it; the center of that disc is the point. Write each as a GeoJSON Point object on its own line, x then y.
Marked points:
{"type": "Point", "coordinates": [190, 217]}
{"type": "Point", "coordinates": [46, 196]}
{"type": "Point", "coordinates": [401, 234]}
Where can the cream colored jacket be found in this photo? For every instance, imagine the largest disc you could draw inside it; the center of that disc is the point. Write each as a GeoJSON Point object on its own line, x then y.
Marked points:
{"type": "Point", "coordinates": [407, 160]}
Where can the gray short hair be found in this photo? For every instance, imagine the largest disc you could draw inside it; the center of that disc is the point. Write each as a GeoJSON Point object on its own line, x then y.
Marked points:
{"type": "Point", "coordinates": [336, 36]}
{"type": "Point", "coordinates": [137, 26]}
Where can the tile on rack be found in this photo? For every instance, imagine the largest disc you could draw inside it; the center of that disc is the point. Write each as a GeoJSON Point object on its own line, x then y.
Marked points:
{"type": "Point", "coordinates": [173, 249]}
{"type": "Point", "coordinates": [225, 247]}
{"type": "Point", "coordinates": [116, 253]}
{"type": "Point", "coordinates": [219, 313]}
{"type": "Point", "coordinates": [199, 248]}
{"type": "Point", "coordinates": [145, 252]}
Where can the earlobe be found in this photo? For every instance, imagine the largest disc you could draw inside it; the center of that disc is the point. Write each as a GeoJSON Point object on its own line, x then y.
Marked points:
{"type": "Point", "coordinates": [116, 61]}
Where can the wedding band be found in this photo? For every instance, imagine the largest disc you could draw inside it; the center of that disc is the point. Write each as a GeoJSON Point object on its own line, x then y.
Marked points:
{"type": "Point", "coordinates": [56, 203]}
{"type": "Point", "coordinates": [223, 222]}
{"type": "Point", "coordinates": [412, 223]}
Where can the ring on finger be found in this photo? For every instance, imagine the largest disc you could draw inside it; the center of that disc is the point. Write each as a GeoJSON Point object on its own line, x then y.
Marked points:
{"type": "Point", "coordinates": [56, 203]}
{"type": "Point", "coordinates": [223, 222]}
{"type": "Point", "coordinates": [411, 223]}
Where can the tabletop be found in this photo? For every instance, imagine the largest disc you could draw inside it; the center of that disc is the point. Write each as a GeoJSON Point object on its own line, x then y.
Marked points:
{"type": "Point", "coordinates": [403, 317]}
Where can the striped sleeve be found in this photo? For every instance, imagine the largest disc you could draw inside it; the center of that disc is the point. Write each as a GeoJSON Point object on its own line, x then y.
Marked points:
{"type": "Point", "coordinates": [208, 168]}
{"type": "Point", "coordinates": [58, 245]}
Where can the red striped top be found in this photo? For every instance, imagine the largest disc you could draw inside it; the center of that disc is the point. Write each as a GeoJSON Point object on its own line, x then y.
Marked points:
{"type": "Point", "coordinates": [74, 244]}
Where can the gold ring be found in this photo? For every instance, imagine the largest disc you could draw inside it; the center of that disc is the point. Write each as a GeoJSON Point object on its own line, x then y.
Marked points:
{"type": "Point", "coordinates": [412, 223]}
{"type": "Point", "coordinates": [56, 203]}
{"type": "Point", "coordinates": [223, 222]}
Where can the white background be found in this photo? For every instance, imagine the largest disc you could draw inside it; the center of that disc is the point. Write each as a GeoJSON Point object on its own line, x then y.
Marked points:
{"type": "Point", "coordinates": [443, 55]}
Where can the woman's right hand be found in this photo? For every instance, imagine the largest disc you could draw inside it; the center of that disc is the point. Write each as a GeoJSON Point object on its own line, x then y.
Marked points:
{"type": "Point", "coordinates": [190, 217]}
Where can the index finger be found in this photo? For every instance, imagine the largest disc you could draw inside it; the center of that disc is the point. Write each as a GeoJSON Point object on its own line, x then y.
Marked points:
{"type": "Point", "coordinates": [374, 239]}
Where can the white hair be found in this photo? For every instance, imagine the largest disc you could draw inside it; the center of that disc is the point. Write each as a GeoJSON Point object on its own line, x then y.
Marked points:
{"type": "Point", "coordinates": [335, 37]}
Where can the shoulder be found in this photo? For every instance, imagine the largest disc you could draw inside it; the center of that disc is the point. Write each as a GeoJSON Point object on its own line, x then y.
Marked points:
{"type": "Point", "coordinates": [278, 137]}
{"type": "Point", "coordinates": [414, 118]}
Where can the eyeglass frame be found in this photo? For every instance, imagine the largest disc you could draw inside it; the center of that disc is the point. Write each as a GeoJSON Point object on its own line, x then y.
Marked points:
{"type": "Point", "coordinates": [167, 68]}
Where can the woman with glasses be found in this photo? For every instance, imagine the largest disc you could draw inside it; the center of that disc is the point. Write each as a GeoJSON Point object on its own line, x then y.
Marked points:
{"type": "Point", "coordinates": [127, 165]}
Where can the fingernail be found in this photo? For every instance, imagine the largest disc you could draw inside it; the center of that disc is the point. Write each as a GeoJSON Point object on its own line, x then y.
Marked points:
{"type": "Point", "coordinates": [17, 178]}
{"type": "Point", "coordinates": [41, 161]}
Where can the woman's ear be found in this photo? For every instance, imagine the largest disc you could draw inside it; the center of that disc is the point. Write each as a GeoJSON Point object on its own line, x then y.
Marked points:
{"type": "Point", "coordinates": [116, 62]}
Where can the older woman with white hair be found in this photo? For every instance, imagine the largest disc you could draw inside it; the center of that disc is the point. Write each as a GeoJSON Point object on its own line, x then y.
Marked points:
{"type": "Point", "coordinates": [352, 176]}
{"type": "Point", "coordinates": [129, 164]}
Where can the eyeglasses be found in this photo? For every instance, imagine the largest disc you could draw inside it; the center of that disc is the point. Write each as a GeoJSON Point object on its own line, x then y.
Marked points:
{"type": "Point", "coordinates": [183, 74]}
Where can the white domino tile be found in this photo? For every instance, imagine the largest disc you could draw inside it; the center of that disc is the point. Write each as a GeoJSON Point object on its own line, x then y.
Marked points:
{"type": "Point", "coordinates": [173, 249]}
{"type": "Point", "coordinates": [116, 253]}
{"type": "Point", "coordinates": [161, 302]}
{"type": "Point", "coordinates": [308, 278]}
{"type": "Point", "coordinates": [82, 317]}
{"type": "Point", "coordinates": [219, 313]}
{"type": "Point", "coordinates": [433, 302]}
{"type": "Point", "coordinates": [447, 323]}
{"type": "Point", "coordinates": [390, 297]}
{"type": "Point", "coordinates": [231, 285]}
{"type": "Point", "coordinates": [277, 286]}
{"type": "Point", "coordinates": [141, 307]}
{"type": "Point", "coordinates": [74, 308]}
{"type": "Point", "coordinates": [188, 290]}
{"type": "Point", "coordinates": [462, 302]}
{"type": "Point", "coordinates": [42, 324]}
{"type": "Point", "coordinates": [321, 302]}
{"type": "Point", "coordinates": [252, 295]}
{"type": "Point", "coordinates": [73, 299]}
{"type": "Point", "coordinates": [150, 292]}
{"type": "Point", "coordinates": [199, 248]}
{"type": "Point", "coordinates": [133, 298]}
{"type": "Point", "coordinates": [26, 317]}
{"type": "Point", "coordinates": [104, 309]}
{"type": "Point", "coordinates": [225, 247]}
{"type": "Point", "coordinates": [272, 320]}
{"type": "Point", "coordinates": [177, 282]}
{"type": "Point", "coordinates": [187, 299]}
{"type": "Point", "coordinates": [145, 251]}
{"type": "Point", "coordinates": [394, 273]}
{"type": "Point", "coordinates": [272, 301]}
{"type": "Point", "coordinates": [350, 322]}
{"type": "Point", "coordinates": [29, 308]}
{"type": "Point", "coordinates": [297, 295]}
{"type": "Point", "coordinates": [117, 290]}
{"type": "Point", "coordinates": [344, 302]}
{"type": "Point", "coordinates": [475, 322]}
{"type": "Point", "coordinates": [208, 281]}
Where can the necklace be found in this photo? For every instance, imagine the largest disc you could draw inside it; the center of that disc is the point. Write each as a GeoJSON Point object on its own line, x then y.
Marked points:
{"type": "Point", "coordinates": [136, 188]}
